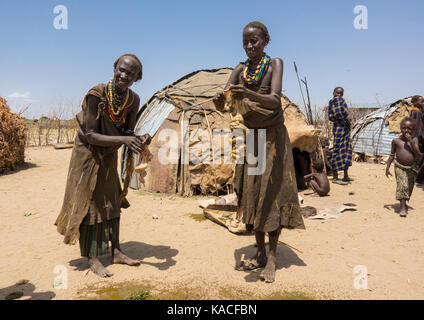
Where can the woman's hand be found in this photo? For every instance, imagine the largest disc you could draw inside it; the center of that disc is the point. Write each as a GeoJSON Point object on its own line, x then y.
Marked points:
{"type": "Point", "coordinates": [145, 139]}
{"type": "Point", "coordinates": [239, 91]}
{"type": "Point", "coordinates": [219, 100]}
{"type": "Point", "coordinates": [133, 143]}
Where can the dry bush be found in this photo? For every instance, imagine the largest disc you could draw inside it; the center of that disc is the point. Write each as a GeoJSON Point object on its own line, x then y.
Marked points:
{"type": "Point", "coordinates": [321, 121]}
{"type": "Point", "coordinates": [47, 132]}
{"type": "Point", "coordinates": [12, 137]}
{"type": "Point", "coordinates": [53, 128]}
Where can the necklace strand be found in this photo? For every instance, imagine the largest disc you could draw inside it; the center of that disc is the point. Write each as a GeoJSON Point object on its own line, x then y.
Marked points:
{"type": "Point", "coordinates": [251, 75]}
{"type": "Point", "coordinates": [117, 104]}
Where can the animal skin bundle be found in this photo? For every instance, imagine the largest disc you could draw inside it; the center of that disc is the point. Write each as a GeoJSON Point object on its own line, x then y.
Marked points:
{"type": "Point", "coordinates": [145, 158]}
{"type": "Point", "coordinates": [12, 137]}
{"type": "Point", "coordinates": [232, 104]}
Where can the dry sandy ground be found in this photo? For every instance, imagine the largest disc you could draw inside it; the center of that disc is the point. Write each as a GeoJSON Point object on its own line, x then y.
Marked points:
{"type": "Point", "coordinates": [199, 257]}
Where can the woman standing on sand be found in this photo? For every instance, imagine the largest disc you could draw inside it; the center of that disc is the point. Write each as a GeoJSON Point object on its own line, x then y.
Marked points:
{"type": "Point", "coordinates": [93, 197]}
{"type": "Point", "coordinates": [268, 201]}
{"type": "Point", "coordinates": [341, 158]}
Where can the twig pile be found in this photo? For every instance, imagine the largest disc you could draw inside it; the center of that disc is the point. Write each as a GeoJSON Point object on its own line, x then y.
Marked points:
{"type": "Point", "coordinates": [12, 137]}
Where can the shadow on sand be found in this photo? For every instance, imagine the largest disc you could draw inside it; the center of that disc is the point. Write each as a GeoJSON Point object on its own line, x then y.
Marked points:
{"type": "Point", "coordinates": [286, 257]}
{"type": "Point", "coordinates": [25, 290]}
{"type": "Point", "coordinates": [20, 167]}
{"type": "Point", "coordinates": [396, 207]}
{"type": "Point", "coordinates": [136, 250]}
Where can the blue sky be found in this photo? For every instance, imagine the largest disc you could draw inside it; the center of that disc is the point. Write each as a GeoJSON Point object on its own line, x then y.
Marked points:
{"type": "Point", "coordinates": [46, 67]}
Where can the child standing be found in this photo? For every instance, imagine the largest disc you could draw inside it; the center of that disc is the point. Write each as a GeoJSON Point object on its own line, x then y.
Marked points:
{"type": "Point", "coordinates": [406, 150]}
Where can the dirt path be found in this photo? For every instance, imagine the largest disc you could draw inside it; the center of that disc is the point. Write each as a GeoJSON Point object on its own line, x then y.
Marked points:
{"type": "Point", "coordinates": [197, 259]}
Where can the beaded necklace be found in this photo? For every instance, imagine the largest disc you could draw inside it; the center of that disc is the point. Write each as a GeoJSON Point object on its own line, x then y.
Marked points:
{"type": "Point", "coordinates": [117, 104]}
{"type": "Point", "coordinates": [251, 75]}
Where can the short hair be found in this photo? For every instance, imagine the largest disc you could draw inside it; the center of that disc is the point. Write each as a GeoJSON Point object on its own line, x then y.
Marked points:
{"type": "Point", "coordinates": [408, 119]}
{"type": "Point", "coordinates": [415, 99]}
{"type": "Point", "coordinates": [318, 165]}
{"type": "Point", "coordinates": [140, 66]}
{"type": "Point", "coordinates": [338, 88]}
{"type": "Point", "coordinates": [259, 25]}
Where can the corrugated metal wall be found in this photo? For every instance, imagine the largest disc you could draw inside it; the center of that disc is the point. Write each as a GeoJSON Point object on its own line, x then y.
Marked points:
{"type": "Point", "coordinates": [370, 141]}
{"type": "Point", "coordinates": [149, 122]}
{"type": "Point", "coordinates": [371, 136]}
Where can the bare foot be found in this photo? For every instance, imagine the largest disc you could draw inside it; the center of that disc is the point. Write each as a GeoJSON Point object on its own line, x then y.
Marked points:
{"type": "Point", "coordinates": [403, 213]}
{"type": "Point", "coordinates": [268, 274]}
{"type": "Point", "coordinates": [338, 181]}
{"type": "Point", "coordinates": [252, 264]}
{"type": "Point", "coordinates": [97, 268]}
{"type": "Point", "coordinates": [119, 257]}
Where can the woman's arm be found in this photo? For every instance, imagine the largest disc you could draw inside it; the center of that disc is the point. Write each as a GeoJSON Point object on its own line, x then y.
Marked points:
{"type": "Point", "coordinates": [219, 99]}
{"type": "Point", "coordinates": [131, 118]}
{"type": "Point", "coordinates": [268, 101]}
{"type": "Point", "coordinates": [95, 138]}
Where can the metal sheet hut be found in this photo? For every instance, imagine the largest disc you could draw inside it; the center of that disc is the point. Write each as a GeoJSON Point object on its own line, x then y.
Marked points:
{"type": "Point", "coordinates": [174, 112]}
{"type": "Point", "coordinates": [372, 135]}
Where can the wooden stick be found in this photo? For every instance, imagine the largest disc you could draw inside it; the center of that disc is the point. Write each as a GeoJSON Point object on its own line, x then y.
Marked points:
{"type": "Point", "coordinates": [286, 244]}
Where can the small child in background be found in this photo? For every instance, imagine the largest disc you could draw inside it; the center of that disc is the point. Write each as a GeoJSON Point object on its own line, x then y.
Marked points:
{"type": "Point", "coordinates": [405, 152]}
{"type": "Point", "coordinates": [318, 181]}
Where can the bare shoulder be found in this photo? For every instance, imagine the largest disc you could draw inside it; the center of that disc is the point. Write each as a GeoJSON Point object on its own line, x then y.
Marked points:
{"type": "Point", "coordinates": [135, 100]}
{"type": "Point", "coordinates": [277, 61]}
{"type": "Point", "coordinates": [277, 65]}
{"type": "Point", "coordinates": [396, 141]}
{"type": "Point", "coordinates": [235, 74]}
{"type": "Point", "coordinates": [238, 68]}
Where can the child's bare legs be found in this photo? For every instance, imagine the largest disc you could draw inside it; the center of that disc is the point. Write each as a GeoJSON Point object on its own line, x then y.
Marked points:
{"type": "Point", "coordinates": [403, 208]}
{"type": "Point", "coordinates": [316, 188]}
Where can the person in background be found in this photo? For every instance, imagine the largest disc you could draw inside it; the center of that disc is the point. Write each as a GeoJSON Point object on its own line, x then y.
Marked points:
{"type": "Point", "coordinates": [404, 153]}
{"type": "Point", "coordinates": [318, 181]}
{"type": "Point", "coordinates": [417, 113]}
{"type": "Point", "coordinates": [341, 158]}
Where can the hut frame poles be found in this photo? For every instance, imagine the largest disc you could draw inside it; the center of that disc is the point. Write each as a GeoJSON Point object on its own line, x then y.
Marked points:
{"type": "Point", "coordinates": [309, 110]}
{"type": "Point", "coordinates": [307, 106]}
{"type": "Point", "coordinates": [301, 91]}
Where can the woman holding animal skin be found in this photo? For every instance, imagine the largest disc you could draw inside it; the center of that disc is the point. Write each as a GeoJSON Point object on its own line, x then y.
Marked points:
{"type": "Point", "coordinates": [268, 202]}
{"type": "Point", "coordinates": [93, 196]}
